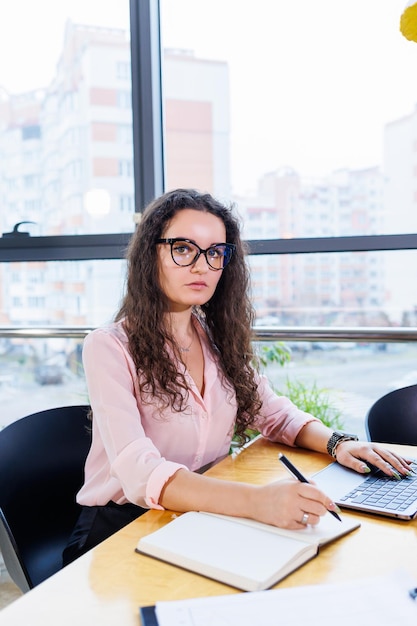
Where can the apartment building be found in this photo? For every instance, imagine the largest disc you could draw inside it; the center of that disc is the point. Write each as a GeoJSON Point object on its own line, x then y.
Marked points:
{"type": "Point", "coordinates": [67, 165]}
{"type": "Point", "coordinates": [317, 288]}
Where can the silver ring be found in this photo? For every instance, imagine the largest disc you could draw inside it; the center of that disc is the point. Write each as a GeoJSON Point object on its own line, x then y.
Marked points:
{"type": "Point", "coordinates": [304, 519]}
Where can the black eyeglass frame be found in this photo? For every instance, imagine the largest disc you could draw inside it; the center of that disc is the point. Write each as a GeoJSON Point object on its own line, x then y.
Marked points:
{"type": "Point", "coordinates": [229, 249]}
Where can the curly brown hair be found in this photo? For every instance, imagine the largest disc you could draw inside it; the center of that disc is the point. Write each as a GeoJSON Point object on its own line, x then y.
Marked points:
{"type": "Point", "coordinates": [227, 317]}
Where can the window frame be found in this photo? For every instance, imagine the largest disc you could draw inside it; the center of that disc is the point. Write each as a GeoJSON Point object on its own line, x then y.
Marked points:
{"type": "Point", "coordinates": [149, 172]}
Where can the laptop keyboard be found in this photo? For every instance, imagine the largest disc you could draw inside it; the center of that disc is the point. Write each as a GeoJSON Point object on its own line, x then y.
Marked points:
{"type": "Point", "coordinates": [383, 492]}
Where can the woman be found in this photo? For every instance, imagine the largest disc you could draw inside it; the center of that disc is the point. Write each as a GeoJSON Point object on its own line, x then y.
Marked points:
{"type": "Point", "coordinates": [173, 379]}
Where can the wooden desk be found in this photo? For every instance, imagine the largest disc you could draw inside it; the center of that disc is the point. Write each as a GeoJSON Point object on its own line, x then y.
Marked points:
{"type": "Point", "coordinates": [107, 585]}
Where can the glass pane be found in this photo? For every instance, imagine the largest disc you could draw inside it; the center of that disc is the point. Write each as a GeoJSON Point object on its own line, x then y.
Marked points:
{"type": "Point", "coordinates": [345, 378]}
{"type": "Point", "coordinates": [66, 293]}
{"type": "Point", "coordinates": [303, 112]}
{"type": "Point", "coordinates": [338, 289]}
{"type": "Point", "coordinates": [66, 156]}
{"type": "Point", "coordinates": [38, 374]}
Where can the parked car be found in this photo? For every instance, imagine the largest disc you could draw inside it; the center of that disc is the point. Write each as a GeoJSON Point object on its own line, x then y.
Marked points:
{"type": "Point", "coordinates": [49, 374]}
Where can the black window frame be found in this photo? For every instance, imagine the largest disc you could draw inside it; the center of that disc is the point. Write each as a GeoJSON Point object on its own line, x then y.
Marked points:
{"type": "Point", "coordinates": [149, 172]}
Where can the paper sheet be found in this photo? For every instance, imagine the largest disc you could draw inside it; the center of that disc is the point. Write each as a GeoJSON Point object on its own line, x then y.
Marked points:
{"type": "Point", "coordinates": [381, 600]}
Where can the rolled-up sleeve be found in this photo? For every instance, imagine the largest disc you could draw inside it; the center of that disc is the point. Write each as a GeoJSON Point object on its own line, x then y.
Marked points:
{"type": "Point", "coordinates": [280, 420]}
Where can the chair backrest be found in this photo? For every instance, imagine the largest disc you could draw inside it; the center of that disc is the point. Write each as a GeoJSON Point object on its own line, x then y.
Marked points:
{"type": "Point", "coordinates": [42, 459]}
{"type": "Point", "coordinates": [393, 418]}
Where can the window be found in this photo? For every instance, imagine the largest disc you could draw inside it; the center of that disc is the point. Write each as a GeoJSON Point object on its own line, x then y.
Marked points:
{"type": "Point", "coordinates": [124, 99]}
{"type": "Point", "coordinates": [50, 106]}
{"type": "Point", "coordinates": [31, 132]}
{"type": "Point", "coordinates": [294, 138]}
{"type": "Point", "coordinates": [126, 204]}
{"type": "Point", "coordinates": [125, 168]}
{"type": "Point", "coordinates": [123, 70]}
{"type": "Point", "coordinates": [295, 170]}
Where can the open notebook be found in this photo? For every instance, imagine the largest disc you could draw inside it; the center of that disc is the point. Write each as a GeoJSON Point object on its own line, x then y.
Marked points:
{"type": "Point", "coordinates": [371, 493]}
{"type": "Point", "coordinates": [240, 552]}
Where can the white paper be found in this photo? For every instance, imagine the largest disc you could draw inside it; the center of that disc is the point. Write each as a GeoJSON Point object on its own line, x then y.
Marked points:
{"type": "Point", "coordinates": [381, 600]}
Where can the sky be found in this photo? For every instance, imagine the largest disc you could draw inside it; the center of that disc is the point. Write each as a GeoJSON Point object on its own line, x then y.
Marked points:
{"type": "Point", "coordinates": [312, 84]}
{"type": "Point", "coordinates": [318, 79]}
{"type": "Point", "coordinates": [32, 35]}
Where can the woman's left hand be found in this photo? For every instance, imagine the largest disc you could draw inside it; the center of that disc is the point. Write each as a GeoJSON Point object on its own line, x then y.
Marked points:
{"type": "Point", "coordinates": [356, 455]}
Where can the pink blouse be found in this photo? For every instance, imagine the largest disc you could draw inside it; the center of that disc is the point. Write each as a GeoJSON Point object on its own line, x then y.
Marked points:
{"type": "Point", "coordinates": [135, 449]}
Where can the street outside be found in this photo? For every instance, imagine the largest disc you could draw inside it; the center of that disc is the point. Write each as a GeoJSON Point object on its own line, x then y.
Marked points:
{"type": "Point", "coordinates": [353, 377]}
{"type": "Point", "coordinates": [20, 398]}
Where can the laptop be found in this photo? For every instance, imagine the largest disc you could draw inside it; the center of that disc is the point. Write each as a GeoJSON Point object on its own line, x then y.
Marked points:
{"type": "Point", "coordinates": [371, 493]}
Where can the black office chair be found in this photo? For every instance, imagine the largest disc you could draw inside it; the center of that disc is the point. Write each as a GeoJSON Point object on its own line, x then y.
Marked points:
{"type": "Point", "coordinates": [41, 469]}
{"type": "Point", "coordinates": [393, 418]}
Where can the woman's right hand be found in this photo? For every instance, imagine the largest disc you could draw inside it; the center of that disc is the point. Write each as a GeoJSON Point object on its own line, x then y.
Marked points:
{"type": "Point", "coordinates": [290, 504]}
{"type": "Point", "coordinates": [285, 503]}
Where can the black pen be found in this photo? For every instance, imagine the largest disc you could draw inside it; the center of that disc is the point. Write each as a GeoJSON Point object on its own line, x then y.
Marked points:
{"type": "Point", "coordinates": [298, 475]}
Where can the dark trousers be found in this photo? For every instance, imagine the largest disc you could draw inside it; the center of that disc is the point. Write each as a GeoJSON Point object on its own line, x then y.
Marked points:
{"type": "Point", "coordinates": [95, 524]}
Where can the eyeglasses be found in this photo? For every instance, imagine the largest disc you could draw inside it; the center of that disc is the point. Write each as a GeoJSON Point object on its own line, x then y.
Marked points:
{"type": "Point", "coordinates": [185, 252]}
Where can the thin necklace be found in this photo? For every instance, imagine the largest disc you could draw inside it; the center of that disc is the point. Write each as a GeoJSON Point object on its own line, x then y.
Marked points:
{"type": "Point", "coordinates": [187, 349]}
